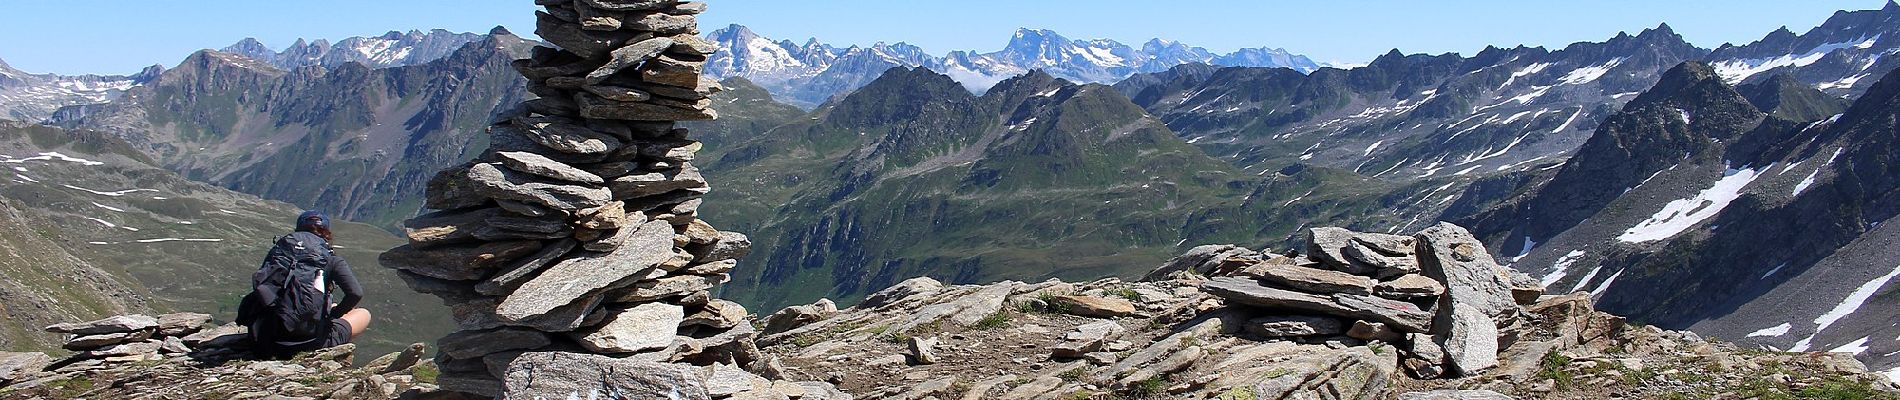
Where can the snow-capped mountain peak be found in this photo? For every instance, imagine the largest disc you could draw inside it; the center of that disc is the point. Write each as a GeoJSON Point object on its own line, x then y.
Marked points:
{"type": "Point", "coordinates": [809, 73]}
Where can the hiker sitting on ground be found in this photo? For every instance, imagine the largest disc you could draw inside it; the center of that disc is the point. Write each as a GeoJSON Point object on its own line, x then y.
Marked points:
{"type": "Point", "coordinates": [289, 309]}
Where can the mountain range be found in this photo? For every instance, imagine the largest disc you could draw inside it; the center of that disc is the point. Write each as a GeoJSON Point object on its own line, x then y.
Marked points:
{"type": "Point", "coordinates": [811, 73]}
{"type": "Point", "coordinates": [391, 49]}
{"type": "Point", "coordinates": [35, 97]}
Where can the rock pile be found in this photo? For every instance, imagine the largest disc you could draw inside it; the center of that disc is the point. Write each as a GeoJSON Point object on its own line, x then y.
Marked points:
{"type": "Point", "coordinates": [573, 241]}
{"type": "Point", "coordinates": [1437, 295]}
{"type": "Point", "coordinates": [139, 337]}
{"type": "Point", "coordinates": [177, 356]}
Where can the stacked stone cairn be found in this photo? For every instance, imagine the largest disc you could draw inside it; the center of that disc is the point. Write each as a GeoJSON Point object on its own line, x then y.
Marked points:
{"type": "Point", "coordinates": [570, 252]}
{"type": "Point", "coordinates": [1437, 296]}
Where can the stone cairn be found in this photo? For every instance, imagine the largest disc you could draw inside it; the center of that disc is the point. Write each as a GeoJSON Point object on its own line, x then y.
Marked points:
{"type": "Point", "coordinates": [569, 251]}
{"type": "Point", "coordinates": [1438, 296]}
{"type": "Point", "coordinates": [139, 337]}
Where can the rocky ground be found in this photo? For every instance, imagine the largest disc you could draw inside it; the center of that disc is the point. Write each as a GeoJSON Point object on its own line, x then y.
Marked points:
{"type": "Point", "coordinates": [1221, 322]}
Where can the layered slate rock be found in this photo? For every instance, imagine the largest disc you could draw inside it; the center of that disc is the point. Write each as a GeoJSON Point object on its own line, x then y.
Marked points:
{"type": "Point", "coordinates": [572, 247]}
{"type": "Point", "coordinates": [1437, 294]}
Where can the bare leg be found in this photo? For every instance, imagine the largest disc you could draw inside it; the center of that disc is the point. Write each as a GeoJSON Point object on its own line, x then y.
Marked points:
{"type": "Point", "coordinates": [359, 321]}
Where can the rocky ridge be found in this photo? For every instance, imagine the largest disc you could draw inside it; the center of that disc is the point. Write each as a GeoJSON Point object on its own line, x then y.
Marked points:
{"type": "Point", "coordinates": [1220, 321]}
{"type": "Point", "coordinates": [179, 355]}
{"type": "Point", "coordinates": [1359, 316]}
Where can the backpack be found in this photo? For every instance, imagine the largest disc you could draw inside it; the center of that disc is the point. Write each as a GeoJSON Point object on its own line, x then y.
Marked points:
{"type": "Point", "coordinates": [293, 271]}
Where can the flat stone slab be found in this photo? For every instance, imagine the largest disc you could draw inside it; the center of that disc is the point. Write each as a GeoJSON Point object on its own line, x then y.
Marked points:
{"type": "Point", "coordinates": [1402, 315]}
{"type": "Point", "coordinates": [496, 182]}
{"type": "Point", "coordinates": [1315, 280]}
{"type": "Point", "coordinates": [570, 279]}
{"type": "Point", "coordinates": [465, 262]}
{"type": "Point", "coordinates": [562, 375]}
{"type": "Point", "coordinates": [112, 324]}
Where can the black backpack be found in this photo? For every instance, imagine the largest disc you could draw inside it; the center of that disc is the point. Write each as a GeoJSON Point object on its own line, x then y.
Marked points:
{"type": "Point", "coordinates": [293, 271]}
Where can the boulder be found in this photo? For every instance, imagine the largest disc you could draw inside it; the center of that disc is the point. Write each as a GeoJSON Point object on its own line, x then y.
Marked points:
{"type": "Point", "coordinates": [450, 189]}
{"type": "Point", "coordinates": [1477, 297]}
{"type": "Point", "coordinates": [180, 324]}
{"type": "Point", "coordinates": [561, 375]}
{"type": "Point", "coordinates": [716, 314]}
{"type": "Point", "coordinates": [922, 285]}
{"type": "Point", "coordinates": [15, 367]}
{"type": "Point", "coordinates": [1409, 287]}
{"type": "Point", "coordinates": [1294, 326]}
{"type": "Point", "coordinates": [1314, 280]}
{"type": "Point", "coordinates": [649, 326]}
{"type": "Point", "coordinates": [1085, 339]}
{"type": "Point", "coordinates": [1388, 265]}
{"type": "Point", "coordinates": [575, 277]}
{"type": "Point", "coordinates": [726, 380]}
{"type": "Point", "coordinates": [1363, 330]}
{"type": "Point", "coordinates": [923, 350]}
{"type": "Point", "coordinates": [1201, 260]}
{"type": "Point", "coordinates": [112, 324]}
{"type": "Point", "coordinates": [1328, 245]}
{"type": "Point", "coordinates": [1091, 306]}
{"type": "Point", "coordinates": [397, 361]}
{"type": "Point", "coordinates": [790, 318]}
{"type": "Point", "coordinates": [1427, 358]}
{"type": "Point", "coordinates": [727, 246]}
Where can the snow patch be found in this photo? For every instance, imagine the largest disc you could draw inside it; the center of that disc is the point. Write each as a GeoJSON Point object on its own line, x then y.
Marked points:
{"type": "Point", "coordinates": [1573, 118]}
{"type": "Point", "coordinates": [111, 208]}
{"type": "Point", "coordinates": [1856, 347]}
{"type": "Point", "coordinates": [1805, 183]}
{"type": "Point", "coordinates": [1374, 146]}
{"type": "Point", "coordinates": [1772, 331]}
{"type": "Point", "coordinates": [105, 193]}
{"type": "Point", "coordinates": [1588, 74]}
{"type": "Point", "coordinates": [1563, 264]}
{"type": "Point", "coordinates": [48, 156]}
{"type": "Point", "coordinates": [1606, 283]}
{"type": "Point", "coordinates": [1772, 271]}
{"type": "Point", "coordinates": [1679, 215]}
{"type": "Point", "coordinates": [1586, 279]}
{"type": "Point", "coordinates": [1847, 306]}
{"type": "Point", "coordinates": [160, 240]}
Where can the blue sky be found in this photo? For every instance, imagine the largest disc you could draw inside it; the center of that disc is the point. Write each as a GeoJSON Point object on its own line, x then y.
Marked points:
{"type": "Point", "coordinates": [121, 36]}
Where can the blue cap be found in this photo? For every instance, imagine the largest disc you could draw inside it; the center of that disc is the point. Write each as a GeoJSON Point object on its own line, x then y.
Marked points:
{"type": "Point", "coordinates": [312, 218]}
